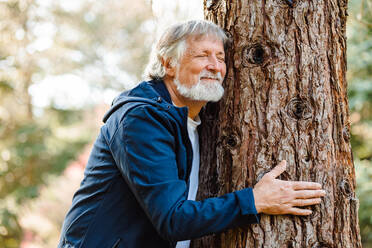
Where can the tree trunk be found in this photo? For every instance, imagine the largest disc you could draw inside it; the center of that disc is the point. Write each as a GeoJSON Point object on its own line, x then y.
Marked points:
{"type": "Point", "coordinates": [286, 98]}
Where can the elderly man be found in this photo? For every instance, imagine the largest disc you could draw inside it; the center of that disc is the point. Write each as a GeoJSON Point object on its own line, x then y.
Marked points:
{"type": "Point", "coordinates": [141, 180]}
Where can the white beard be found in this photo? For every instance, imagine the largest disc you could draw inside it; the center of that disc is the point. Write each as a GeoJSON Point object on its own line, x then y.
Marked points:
{"type": "Point", "coordinates": [203, 90]}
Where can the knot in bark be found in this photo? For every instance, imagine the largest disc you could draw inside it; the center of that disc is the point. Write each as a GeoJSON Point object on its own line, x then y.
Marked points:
{"type": "Point", "coordinates": [346, 134]}
{"type": "Point", "coordinates": [345, 187]}
{"type": "Point", "coordinates": [255, 54]}
{"type": "Point", "coordinates": [231, 141]}
{"type": "Point", "coordinates": [211, 4]}
{"type": "Point", "coordinates": [258, 55]}
{"type": "Point", "coordinates": [299, 109]}
{"type": "Point", "coordinates": [290, 2]}
{"type": "Point", "coordinates": [320, 245]}
{"type": "Point", "coordinates": [230, 40]}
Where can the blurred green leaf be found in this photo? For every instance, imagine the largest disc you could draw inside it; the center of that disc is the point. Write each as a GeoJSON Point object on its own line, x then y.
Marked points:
{"type": "Point", "coordinates": [359, 54]}
{"type": "Point", "coordinates": [5, 87]}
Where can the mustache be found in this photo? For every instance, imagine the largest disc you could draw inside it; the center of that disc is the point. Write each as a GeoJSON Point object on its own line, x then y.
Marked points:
{"type": "Point", "coordinates": [208, 74]}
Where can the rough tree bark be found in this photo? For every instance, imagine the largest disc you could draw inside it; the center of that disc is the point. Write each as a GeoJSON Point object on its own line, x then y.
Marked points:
{"type": "Point", "coordinates": [286, 98]}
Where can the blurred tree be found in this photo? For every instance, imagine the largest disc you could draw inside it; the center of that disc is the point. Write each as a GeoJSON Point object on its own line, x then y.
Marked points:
{"type": "Point", "coordinates": [360, 96]}
{"type": "Point", "coordinates": [104, 43]}
{"type": "Point", "coordinates": [42, 227]}
{"type": "Point", "coordinates": [110, 40]}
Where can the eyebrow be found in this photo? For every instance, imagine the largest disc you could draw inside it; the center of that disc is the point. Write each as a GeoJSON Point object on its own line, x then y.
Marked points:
{"type": "Point", "coordinates": [206, 51]}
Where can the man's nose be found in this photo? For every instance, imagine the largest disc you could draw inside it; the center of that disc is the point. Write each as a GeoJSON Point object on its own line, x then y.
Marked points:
{"type": "Point", "coordinates": [214, 64]}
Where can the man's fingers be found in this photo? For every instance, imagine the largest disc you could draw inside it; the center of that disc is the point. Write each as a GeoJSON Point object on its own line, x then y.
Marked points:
{"type": "Point", "coordinates": [300, 211]}
{"type": "Point", "coordinates": [306, 202]}
{"type": "Point", "coordinates": [279, 169]}
{"type": "Point", "coordinates": [306, 194]}
{"type": "Point", "coordinates": [305, 185]}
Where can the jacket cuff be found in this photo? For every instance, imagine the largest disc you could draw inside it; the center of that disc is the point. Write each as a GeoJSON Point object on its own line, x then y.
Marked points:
{"type": "Point", "coordinates": [246, 203]}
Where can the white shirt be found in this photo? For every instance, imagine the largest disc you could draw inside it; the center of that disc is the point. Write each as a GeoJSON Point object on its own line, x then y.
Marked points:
{"type": "Point", "coordinates": [194, 175]}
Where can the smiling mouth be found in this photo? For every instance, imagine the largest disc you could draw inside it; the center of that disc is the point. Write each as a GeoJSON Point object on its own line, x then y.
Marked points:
{"type": "Point", "coordinates": [208, 78]}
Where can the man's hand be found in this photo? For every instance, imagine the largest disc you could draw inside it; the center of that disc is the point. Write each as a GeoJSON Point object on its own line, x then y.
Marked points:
{"type": "Point", "coordinates": [274, 196]}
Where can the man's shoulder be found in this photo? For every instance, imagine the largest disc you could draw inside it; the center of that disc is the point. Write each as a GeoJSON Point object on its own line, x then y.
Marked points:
{"type": "Point", "coordinates": [132, 110]}
{"type": "Point", "coordinates": [144, 105]}
{"type": "Point", "coordinates": [129, 99]}
{"type": "Point", "coordinates": [134, 107]}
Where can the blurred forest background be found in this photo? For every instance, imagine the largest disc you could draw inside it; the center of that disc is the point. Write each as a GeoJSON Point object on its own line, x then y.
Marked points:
{"type": "Point", "coordinates": [61, 64]}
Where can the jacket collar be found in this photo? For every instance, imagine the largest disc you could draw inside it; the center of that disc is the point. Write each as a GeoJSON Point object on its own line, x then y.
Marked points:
{"type": "Point", "coordinates": [161, 89]}
{"type": "Point", "coordinates": [151, 92]}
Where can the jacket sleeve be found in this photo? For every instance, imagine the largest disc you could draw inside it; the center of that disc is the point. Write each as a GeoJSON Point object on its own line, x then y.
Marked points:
{"type": "Point", "coordinates": [144, 149]}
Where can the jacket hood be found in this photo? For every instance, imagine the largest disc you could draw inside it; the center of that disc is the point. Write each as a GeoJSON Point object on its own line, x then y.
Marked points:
{"type": "Point", "coordinates": [152, 92]}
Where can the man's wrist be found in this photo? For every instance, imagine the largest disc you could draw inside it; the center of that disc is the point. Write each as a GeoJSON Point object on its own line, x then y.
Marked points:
{"type": "Point", "coordinates": [246, 201]}
{"type": "Point", "coordinates": [257, 204]}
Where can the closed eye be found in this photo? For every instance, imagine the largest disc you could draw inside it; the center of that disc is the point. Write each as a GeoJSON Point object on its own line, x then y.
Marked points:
{"type": "Point", "coordinates": [201, 55]}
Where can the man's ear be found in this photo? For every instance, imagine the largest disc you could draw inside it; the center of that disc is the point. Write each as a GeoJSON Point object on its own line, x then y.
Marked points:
{"type": "Point", "coordinates": [169, 67]}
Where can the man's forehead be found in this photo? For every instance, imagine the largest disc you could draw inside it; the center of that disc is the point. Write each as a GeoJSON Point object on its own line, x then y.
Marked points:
{"type": "Point", "coordinates": [207, 36]}
{"type": "Point", "coordinates": [195, 43]}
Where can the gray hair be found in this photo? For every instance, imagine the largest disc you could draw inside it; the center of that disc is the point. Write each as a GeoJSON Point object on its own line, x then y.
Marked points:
{"type": "Point", "coordinates": [172, 44]}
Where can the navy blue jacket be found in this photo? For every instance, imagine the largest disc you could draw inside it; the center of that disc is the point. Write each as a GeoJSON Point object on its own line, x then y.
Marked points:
{"type": "Point", "coordinates": [136, 182]}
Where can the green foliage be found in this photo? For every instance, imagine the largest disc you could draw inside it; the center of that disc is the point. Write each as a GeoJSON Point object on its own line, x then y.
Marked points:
{"type": "Point", "coordinates": [30, 152]}
{"type": "Point", "coordinates": [360, 101]}
{"type": "Point", "coordinates": [364, 192]}
{"type": "Point", "coordinates": [5, 86]}
{"type": "Point", "coordinates": [10, 231]}
{"type": "Point", "coordinates": [101, 43]}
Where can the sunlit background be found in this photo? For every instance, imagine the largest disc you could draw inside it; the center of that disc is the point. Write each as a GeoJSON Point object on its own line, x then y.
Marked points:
{"type": "Point", "coordinates": [61, 64]}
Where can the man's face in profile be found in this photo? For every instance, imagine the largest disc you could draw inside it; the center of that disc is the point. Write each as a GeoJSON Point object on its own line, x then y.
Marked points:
{"type": "Point", "coordinates": [201, 69]}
